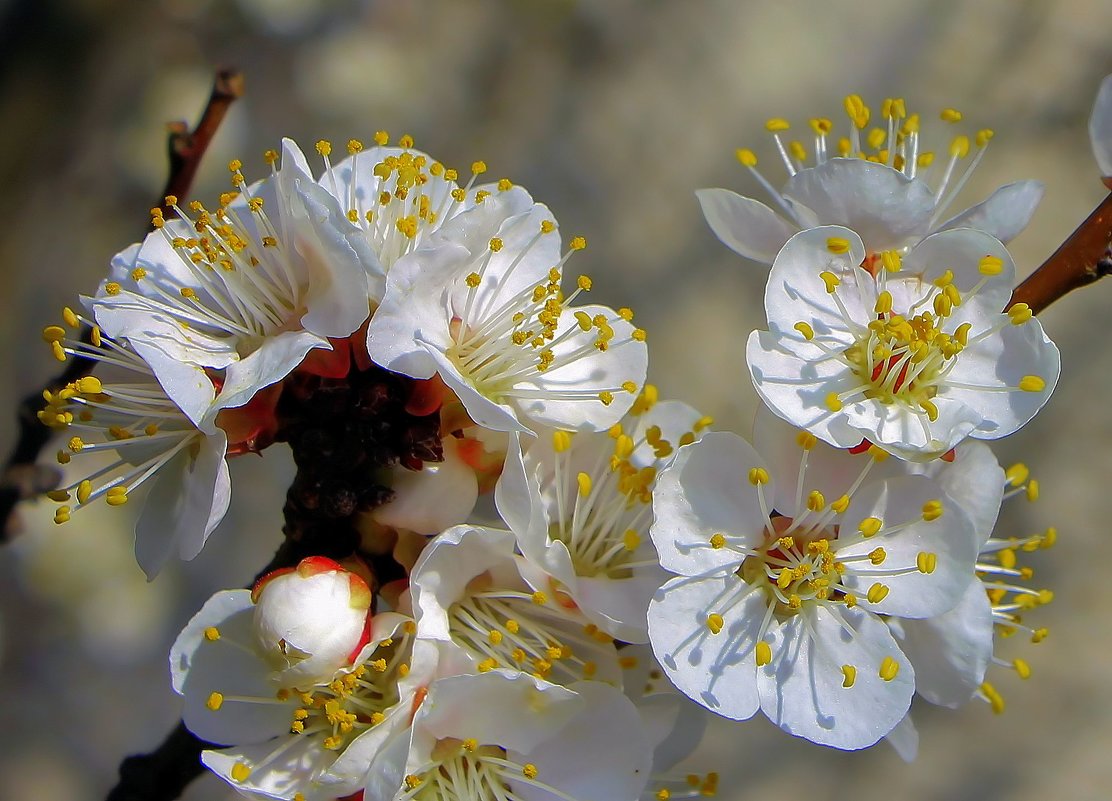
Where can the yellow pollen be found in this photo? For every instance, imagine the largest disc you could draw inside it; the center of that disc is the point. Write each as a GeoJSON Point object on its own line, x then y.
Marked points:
{"type": "Point", "coordinates": [959, 148]}
{"type": "Point", "coordinates": [995, 700]}
{"type": "Point", "coordinates": [494, 637]}
{"type": "Point", "coordinates": [495, 244]}
{"type": "Point", "coordinates": [584, 482]}
{"type": "Point", "coordinates": [188, 292]}
{"type": "Point", "coordinates": [877, 556]}
{"type": "Point", "coordinates": [539, 598]}
{"type": "Point", "coordinates": [84, 490]}
{"type": "Point", "coordinates": [884, 303]}
{"type": "Point", "coordinates": [950, 115]}
{"type": "Point", "coordinates": [324, 147]}
{"type": "Point", "coordinates": [473, 280]}
{"type": "Point", "coordinates": [61, 514]}
{"type": "Point", "coordinates": [629, 387]}
{"type": "Point", "coordinates": [578, 243]}
{"type": "Point", "coordinates": [815, 501]}
{"type": "Point", "coordinates": [584, 283]}
{"type": "Point", "coordinates": [487, 665]}
{"type": "Point", "coordinates": [877, 593]}
{"type": "Point", "coordinates": [478, 167]}
{"type": "Point", "coordinates": [631, 540]}
{"type": "Point", "coordinates": [849, 675]}
{"type": "Point", "coordinates": [833, 402]}
{"type": "Point", "coordinates": [841, 504]}
{"type": "Point", "coordinates": [806, 440]}
{"type": "Point", "coordinates": [798, 151]}
{"type": "Point", "coordinates": [53, 333]}
{"type": "Point", "coordinates": [746, 157]}
{"type": "Point", "coordinates": [806, 330]}
{"type": "Point", "coordinates": [983, 136]}
{"type": "Point", "coordinates": [1032, 383]}
{"type": "Point", "coordinates": [70, 318]}
{"type": "Point", "coordinates": [512, 626]}
{"type": "Point", "coordinates": [777, 124]}
{"type": "Point", "coordinates": [1032, 490]}
{"type": "Point", "coordinates": [505, 184]}
{"type": "Point", "coordinates": [112, 288]}
{"type": "Point", "coordinates": [838, 245]}
{"type": "Point", "coordinates": [758, 475]}
{"type": "Point", "coordinates": [926, 561]}
{"type": "Point", "coordinates": [932, 510]}
{"type": "Point", "coordinates": [715, 622]}
{"type": "Point", "coordinates": [561, 441]}
{"type": "Point", "coordinates": [889, 668]}
{"type": "Point", "coordinates": [830, 280]}
{"type": "Point", "coordinates": [215, 701]}
{"type": "Point", "coordinates": [240, 772]}
{"type": "Point", "coordinates": [606, 396]}
{"type": "Point", "coordinates": [891, 260]}
{"type": "Point", "coordinates": [406, 141]}
{"type": "Point", "coordinates": [529, 770]}
{"type": "Point", "coordinates": [212, 634]}
{"type": "Point", "coordinates": [718, 540]}
{"type": "Point", "coordinates": [1020, 313]}
{"type": "Point", "coordinates": [991, 265]}
{"type": "Point", "coordinates": [764, 653]}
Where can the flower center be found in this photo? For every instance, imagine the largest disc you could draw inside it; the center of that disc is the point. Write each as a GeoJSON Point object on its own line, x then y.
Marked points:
{"type": "Point", "coordinates": [465, 769]}
{"type": "Point", "coordinates": [795, 568]}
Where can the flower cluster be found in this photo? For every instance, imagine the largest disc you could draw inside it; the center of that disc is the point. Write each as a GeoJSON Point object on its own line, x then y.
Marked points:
{"type": "Point", "coordinates": [413, 338]}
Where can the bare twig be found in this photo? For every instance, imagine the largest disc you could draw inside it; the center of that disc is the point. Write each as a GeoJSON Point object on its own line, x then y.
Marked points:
{"type": "Point", "coordinates": [20, 479]}
{"type": "Point", "coordinates": [1082, 259]}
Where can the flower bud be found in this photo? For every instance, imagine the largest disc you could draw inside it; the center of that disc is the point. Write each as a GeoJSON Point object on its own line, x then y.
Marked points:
{"type": "Point", "coordinates": [312, 619]}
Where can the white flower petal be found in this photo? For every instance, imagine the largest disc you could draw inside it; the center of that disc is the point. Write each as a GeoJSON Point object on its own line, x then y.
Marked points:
{"type": "Point", "coordinates": [293, 772]}
{"type": "Point", "coordinates": [715, 670]}
{"type": "Point", "coordinates": [881, 204]}
{"type": "Point", "coordinates": [1004, 213]}
{"type": "Point", "coordinates": [481, 409]}
{"type": "Point", "coordinates": [905, 739]}
{"type": "Point", "coordinates": [706, 491]}
{"type": "Point", "coordinates": [1100, 127]}
{"type": "Point", "coordinates": [275, 359]}
{"type": "Point", "coordinates": [950, 538]}
{"type": "Point", "coordinates": [802, 690]}
{"type": "Point", "coordinates": [976, 481]}
{"type": "Point", "coordinates": [910, 434]}
{"type": "Point", "coordinates": [436, 497]}
{"type": "Point", "coordinates": [187, 501]}
{"type": "Point", "coordinates": [951, 652]}
{"type": "Point", "coordinates": [746, 226]}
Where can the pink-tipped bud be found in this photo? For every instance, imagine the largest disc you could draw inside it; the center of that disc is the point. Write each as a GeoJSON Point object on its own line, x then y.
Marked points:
{"type": "Point", "coordinates": [310, 619]}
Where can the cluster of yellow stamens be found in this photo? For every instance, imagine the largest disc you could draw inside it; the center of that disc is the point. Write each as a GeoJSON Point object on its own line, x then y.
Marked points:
{"type": "Point", "coordinates": [999, 569]}
{"type": "Point", "coordinates": [500, 347]}
{"type": "Point", "coordinates": [602, 514]}
{"type": "Point", "coordinates": [906, 356]}
{"type": "Point", "coordinates": [894, 141]}
{"type": "Point", "coordinates": [336, 712]}
{"type": "Point", "coordinates": [528, 632]}
{"type": "Point", "coordinates": [132, 417]}
{"type": "Point", "coordinates": [467, 769]}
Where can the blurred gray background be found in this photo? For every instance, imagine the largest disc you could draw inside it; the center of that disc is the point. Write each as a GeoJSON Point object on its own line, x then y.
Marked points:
{"type": "Point", "coordinates": [612, 113]}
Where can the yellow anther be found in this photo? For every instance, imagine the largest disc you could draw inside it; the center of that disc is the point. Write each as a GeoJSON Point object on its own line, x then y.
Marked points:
{"type": "Point", "coordinates": [991, 265]}
{"type": "Point", "coordinates": [758, 476]}
{"type": "Point", "coordinates": [821, 126]}
{"type": "Point", "coordinates": [584, 282]}
{"type": "Point", "coordinates": [62, 514]}
{"type": "Point", "coordinates": [478, 167]}
{"type": "Point", "coordinates": [58, 495]}
{"type": "Point", "coordinates": [487, 665]}
{"type": "Point", "coordinates": [841, 504]}
{"type": "Point", "coordinates": [877, 556]}
{"type": "Point", "coordinates": [89, 385]}
{"type": "Point", "coordinates": [995, 700]}
{"type": "Point", "coordinates": [631, 540]}
{"type": "Point", "coordinates": [877, 593]}
{"type": "Point", "coordinates": [857, 111]}
{"type": "Point", "coordinates": [891, 260]}
{"type": "Point", "coordinates": [84, 490]}
{"type": "Point", "coordinates": [1019, 313]}
{"type": "Point", "coordinates": [777, 124]}
{"type": "Point", "coordinates": [505, 184]}
{"type": "Point", "coordinates": [215, 701]}
{"type": "Point", "coordinates": [718, 540]}
{"type": "Point", "coordinates": [883, 302]}
{"type": "Point", "coordinates": [473, 280]}
{"type": "Point", "coordinates": [926, 562]}
{"type": "Point", "coordinates": [806, 440]}
{"type": "Point", "coordinates": [959, 148]}
{"type": "Point", "coordinates": [1032, 383]}
{"type": "Point", "coordinates": [584, 482]}
{"type": "Point", "coordinates": [950, 115]}
{"type": "Point", "coordinates": [639, 334]}
{"type": "Point", "coordinates": [116, 499]}
{"type": "Point", "coordinates": [763, 653]}
{"type": "Point", "coordinates": [529, 770]}
{"type": "Point", "coordinates": [75, 444]}
{"type": "Point", "coordinates": [70, 318]}
{"type": "Point", "coordinates": [785, 579]}
{"type": "Point", "coordinates": [494, 637]}
{"type": "Point", "coordinates": [932, 510]}
{"type": "Point", "coordinates": [577, 243]}
{"type": "Point", "coordinates": [806, 330]}
{"type": "Point", "coordinates": [833, 402]}
{"type": "Point", "coordinates": [798, 151]}
{"type": "Point", "coordinates": [1039, 635]}
{"type": "Point", "coordinates": [381, 138]}
{"type": "Point", "coordinates": [539, 598]}
{"type": "Point", "coordinates": [240, 772]}
{"type": "Point", "coordinates": [188, 292]}
{"type": "Point", "coordinates": [837, 245]}
{"type": "Point", "coordinates": [112, 288]}
{"type": "Point", "coordinates": [889, 667]}
{"type": "Point", "coordinates": [1022, 669]}
{"type": "Point", "coordinates": [561, 441]}
{"type": "Point", "coordinates": [354, 146]}
{"type": "Point", "coordinates": [1033, 490]}
{"type": "Point", "coordinates": [1017, 474]}
{"type": "Point", "coordinates": [212, 634]}
{"type": "Point", "coordinates": [849, 676]}
{"type": "Point", "coordinates": [715, 622]}
{"type": "Point", "coordinates": [831, 280]}
{"type": "Point", "coordinates": [876, 138]}
{"type": "Point", "coordinates": [746, 156]}
{"type": "Point", "coordinates": [984, 136]}
{"type": "Point", "coordinates": [629, 387]}
{"type": "Point", "coordinates": [495, 244]}
{"type": "Point", "coordinates": [324, 147]}
{"type": "Point", "coordinates": [406, 141]}
{"type": "Point", "coordinates": [53, 333]}
{"type": "Point", "coordinates": [815, 501]}
{"type": "Point", "coordinates": [930, 408]}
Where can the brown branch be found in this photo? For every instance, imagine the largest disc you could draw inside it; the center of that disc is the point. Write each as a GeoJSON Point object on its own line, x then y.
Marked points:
{"type": "Point", "coordinates": [1082, 259]}
{"type": "Point", "coordinates": [20, 478]}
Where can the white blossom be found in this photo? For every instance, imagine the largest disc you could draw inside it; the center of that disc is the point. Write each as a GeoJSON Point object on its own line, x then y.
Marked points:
{"type": "Point", "coordinates": [882, 183]}
{"type": "Point", "coordinates": [786, 562]}
{"type": "Point", "coordinates": [913, 354]}
{"type": "Point", "coordinates": [1100, 127]}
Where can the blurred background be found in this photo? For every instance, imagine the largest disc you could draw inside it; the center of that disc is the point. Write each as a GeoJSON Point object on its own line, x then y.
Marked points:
{"type": "Point", "coordinates": [612, 113]}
